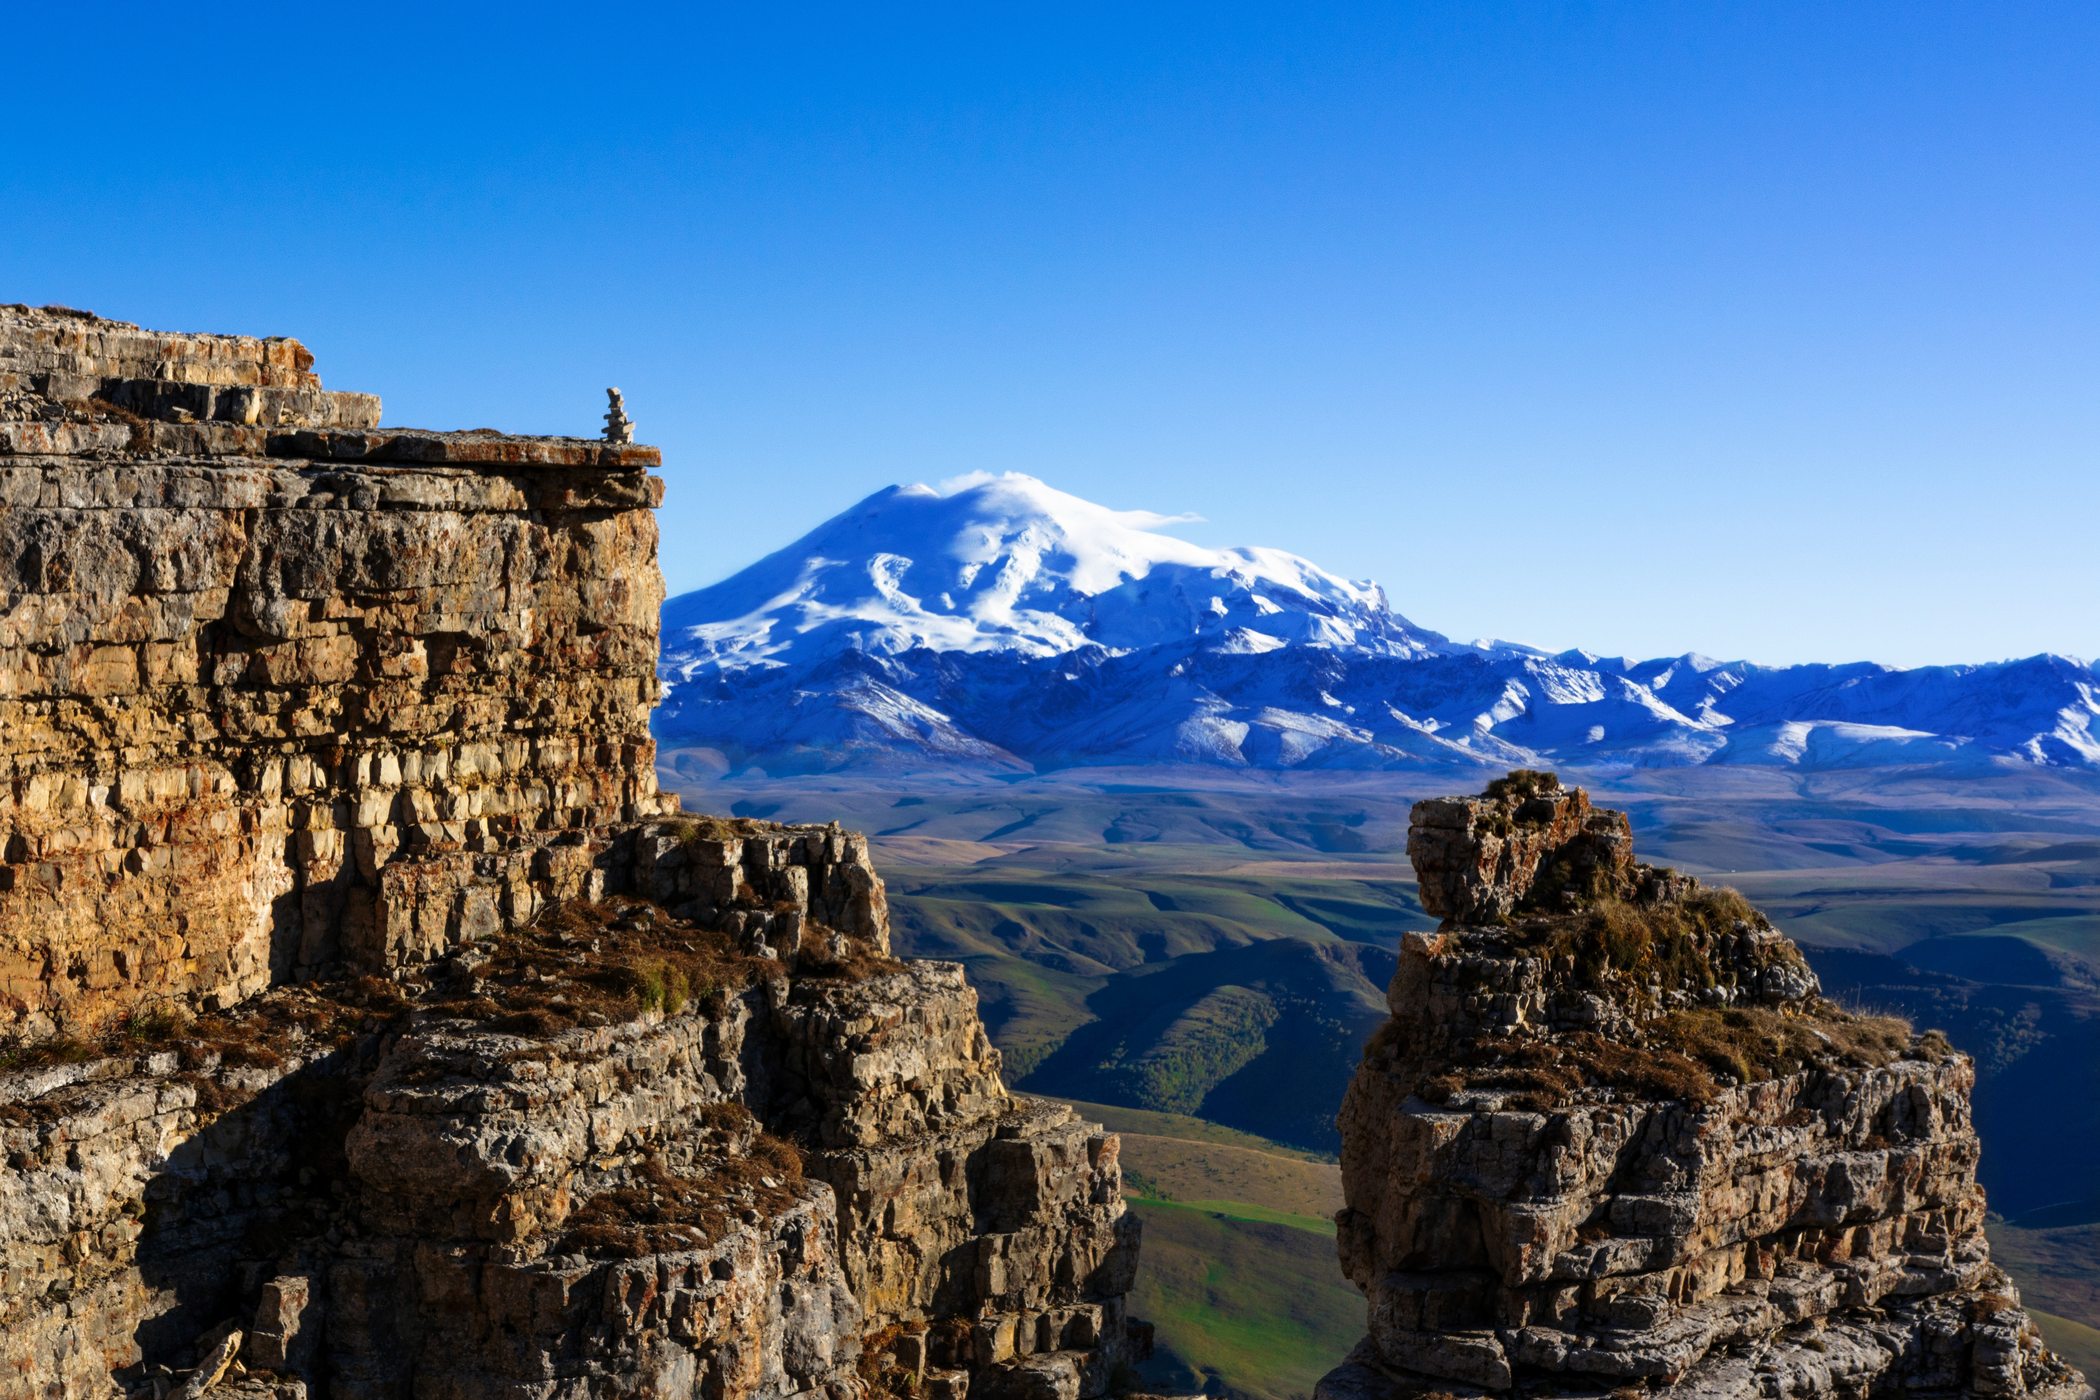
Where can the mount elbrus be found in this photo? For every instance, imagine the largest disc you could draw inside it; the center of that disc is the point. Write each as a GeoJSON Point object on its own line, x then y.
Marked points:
{"type": "Point", "coordinates": [373, 1027]}
{"type": "Point", "coordinates": [1614, 1141]}
{"type": "Point", "coordinates": [1000, 624]}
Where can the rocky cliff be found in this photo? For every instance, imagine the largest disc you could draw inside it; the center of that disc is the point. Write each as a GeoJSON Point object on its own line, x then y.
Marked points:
{"type": "Point", "coordinates": [282, 693]}
{"type": "Point", "coordinates": [1614, 1140]}
{"type": "Point", "coordinates": [374, 1027]}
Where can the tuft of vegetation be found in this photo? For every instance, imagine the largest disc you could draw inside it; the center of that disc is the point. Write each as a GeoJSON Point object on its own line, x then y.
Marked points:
{"type": "Point", "coordinates": [1672, 943]}
{"type": "Point", "coordinates": [692, 830]}
{"type": "Point", "coordinates": [655, 1210]}
{"type": "Point", "coordinates": [1751, 1043]}
{"type": "Point", "coordinates": [588, 964]}
{"type": "Point", "coordinates": [661, 987]}
{"type": "Point", "coordinates": [1539, 1075]}
{"type": "Point", "coordinates": [43, 1054]}
{"type": "Point", "coordinates": [1689, 1056]}
{"type": "Point", "coordinates": [856, 964]}
{"type": "Point", "coordinates": [153, 1029]}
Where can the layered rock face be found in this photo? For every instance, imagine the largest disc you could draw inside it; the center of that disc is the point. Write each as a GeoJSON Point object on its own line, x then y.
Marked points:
{"type": "Point", "coordinates": [1614, 1141]}
{"type": "Point", "coordinates": [376, 1029]}
{"type": "Point", "coordinates": [280, 692]}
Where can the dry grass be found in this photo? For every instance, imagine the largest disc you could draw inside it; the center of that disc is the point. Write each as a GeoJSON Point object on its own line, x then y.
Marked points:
{"type": "Point", "coordinates": [711, 828]}
{"type": "Point", "coordinates": [654, 1210]}
{"type": "Point", "coordinates": [878, 1367]}
{"type": "Point", "coordinates": [261, 1033]}
{"type": "Point", "coordinates": [580, 965]}
{"type": "Point", "coordinates": [585, 964]}
{"type": "Point", "coordinates": [857, 965]}
{"type": "Point", "coordinates": [1753, 1043]}
{"type": "Point", "coordinates": [1542, 1075]}
{"type": "Point", "coordinates": [1673, 941]}
{"type": "Point", "coordinates": [1688, 1056]}
{"type": "Point", "coordinates": [43, 1054]}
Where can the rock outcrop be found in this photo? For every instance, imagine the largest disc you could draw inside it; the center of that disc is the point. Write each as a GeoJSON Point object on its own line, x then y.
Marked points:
{"type": "Point", "coordinates": [374, 1028]}
{"type": "Point", "coordinates": [1614, 1141]}
{"type": "Point", "coordinates": [282, 693]}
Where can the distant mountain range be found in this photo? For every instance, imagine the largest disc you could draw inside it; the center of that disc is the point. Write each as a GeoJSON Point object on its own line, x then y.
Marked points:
{"type": "Point", "coordinates": [1002, 624]}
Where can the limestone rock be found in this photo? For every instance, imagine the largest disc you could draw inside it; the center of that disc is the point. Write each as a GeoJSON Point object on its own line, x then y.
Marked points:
{"type": "Point", "coordinates": [377, 1029]}
{"type": "Point", "coordinates": [1477, 858]}
{"type": "Point", "coordinates": [1614, 1136]}
{"type": "Point", "coordinates": [280, 1338]}
{"type": "Point", "coordinates": [212, 1366]}
{"type": "Point", "coordinates": [273, 710]}
{"type": "Point", "coordinates": [482, 1181]}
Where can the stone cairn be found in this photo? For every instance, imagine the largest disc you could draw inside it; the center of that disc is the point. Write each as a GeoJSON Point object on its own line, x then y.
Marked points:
{"type": "Point", "coordinates": [618, 426]}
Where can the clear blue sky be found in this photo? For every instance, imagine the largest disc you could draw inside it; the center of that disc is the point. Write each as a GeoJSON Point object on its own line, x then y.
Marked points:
{"type": "Point", "coordinates": [1763, 329]}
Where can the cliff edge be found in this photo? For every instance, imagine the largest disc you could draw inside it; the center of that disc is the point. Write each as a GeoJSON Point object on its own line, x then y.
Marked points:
{"type": "Point", "coordinates": [371, 1027]}
{"type": "Point", "coordinates": [1615, 1141]}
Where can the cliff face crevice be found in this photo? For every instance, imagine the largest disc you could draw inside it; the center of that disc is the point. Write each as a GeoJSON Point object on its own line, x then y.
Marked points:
{"type": "Point", "coordinates": [1614, 1137]}
{"type": "Point", "coordinates": [374, 1028]}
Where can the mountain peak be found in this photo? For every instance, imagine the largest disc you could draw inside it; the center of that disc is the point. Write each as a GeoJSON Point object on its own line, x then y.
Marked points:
{"type": "Point", "coordinates": [997, 619]}
{"type": "Point", "coordinates": [1007, 563]}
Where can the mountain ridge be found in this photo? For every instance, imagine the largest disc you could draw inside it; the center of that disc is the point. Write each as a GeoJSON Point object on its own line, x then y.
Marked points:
{"type": "Point", "coordinates": [1000, 623]}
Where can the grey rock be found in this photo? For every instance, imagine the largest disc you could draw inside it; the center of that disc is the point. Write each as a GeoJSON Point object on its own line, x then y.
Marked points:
{"type": "Point", "coordinates": [1581, 1156]}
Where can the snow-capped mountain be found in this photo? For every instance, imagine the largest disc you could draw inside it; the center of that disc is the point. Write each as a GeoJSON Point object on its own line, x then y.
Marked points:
{"type": "Point", "coordinates": [1006, 564]}
{"type": "Point", "coordinates": [998, 621]}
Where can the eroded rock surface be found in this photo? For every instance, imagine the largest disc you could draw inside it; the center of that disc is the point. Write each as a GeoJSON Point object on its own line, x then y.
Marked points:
{"type": "Point", "coordinates": [1614, 1137]}
{"type": "Point", "coordinates": [373, 1027]}
{"type": "Point", "coordinates": [277, 702]}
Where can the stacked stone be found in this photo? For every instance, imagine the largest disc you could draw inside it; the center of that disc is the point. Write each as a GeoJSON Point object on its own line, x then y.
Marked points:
{"type": "Point", "coordinates": [618, 426]}
{"type": "Point", "coordinates": [1817, 1233]}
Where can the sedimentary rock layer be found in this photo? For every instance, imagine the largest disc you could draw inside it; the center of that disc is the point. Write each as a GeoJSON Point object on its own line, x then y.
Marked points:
{"type": "Point", "coordinates": [515, 1173]}
{"type": "Point", "coordinates": [1613, 1136]}
{"type": "Point", "coordinates": [269, 716]}
{"type": "Point", "coordinates": [369, 1025]}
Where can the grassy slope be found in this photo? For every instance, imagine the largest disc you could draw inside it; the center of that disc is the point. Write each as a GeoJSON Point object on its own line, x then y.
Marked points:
{"type": "Point", "coordinates": [1247, 1307]}
{"type": "Point", "coordinates": [1122, 1118]}
{"type": "Point", "coordinates": [1320, 1225]}
{"type": "Point", "coordinates": [1239, 1279]}
{"type": "Point", "coordinates": [1160, 975]}
{"type": "Point", "coordinates": [1167, 1168]}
